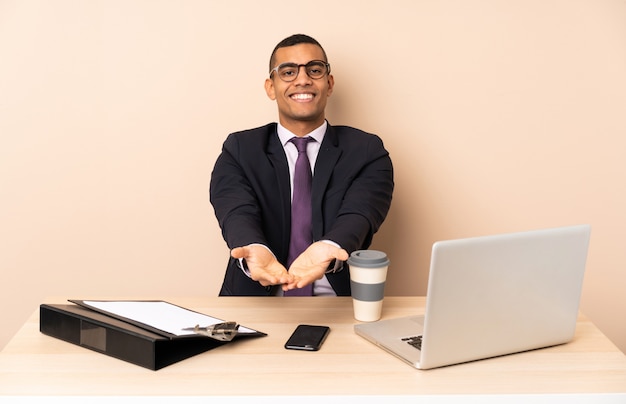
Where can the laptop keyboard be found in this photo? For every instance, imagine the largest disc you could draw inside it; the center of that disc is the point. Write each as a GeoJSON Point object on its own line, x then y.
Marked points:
{"type": "Point", "coordinates": [415, 342]}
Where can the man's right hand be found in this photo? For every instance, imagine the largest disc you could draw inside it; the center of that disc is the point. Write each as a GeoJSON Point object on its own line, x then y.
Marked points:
{"type": "Point", "coordinates": [262, 264]}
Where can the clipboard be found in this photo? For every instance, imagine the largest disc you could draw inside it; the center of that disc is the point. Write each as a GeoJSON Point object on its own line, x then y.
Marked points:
{"type": "Point", "coordinates": [164, 318]}
{"type": "Point", "coordinates": [87, 324]}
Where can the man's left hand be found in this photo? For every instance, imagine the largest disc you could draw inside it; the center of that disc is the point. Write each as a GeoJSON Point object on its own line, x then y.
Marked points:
{"type": "Point", "coordinates": [311, 265]}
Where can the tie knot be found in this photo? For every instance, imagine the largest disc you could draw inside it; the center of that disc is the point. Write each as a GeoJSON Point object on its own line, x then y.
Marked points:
{"type": "Point", "coordinates": [301, 142]}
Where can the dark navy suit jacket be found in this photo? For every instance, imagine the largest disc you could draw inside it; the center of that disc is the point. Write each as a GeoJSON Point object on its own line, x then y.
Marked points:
{"type": "Point", "coordinates": [250, 193]}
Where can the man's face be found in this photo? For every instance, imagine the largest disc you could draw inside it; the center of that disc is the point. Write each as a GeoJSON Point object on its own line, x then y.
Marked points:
{"type": "Point", "coordinates": [301, 102]}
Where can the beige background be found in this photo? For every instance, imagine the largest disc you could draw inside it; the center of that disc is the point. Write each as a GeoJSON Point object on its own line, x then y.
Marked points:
{"type": "Point", "coordinates": [499, 115]}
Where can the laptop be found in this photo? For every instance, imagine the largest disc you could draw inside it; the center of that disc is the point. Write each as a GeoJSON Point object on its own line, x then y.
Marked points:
{"type": "Point", "coordinates": [490, 296]}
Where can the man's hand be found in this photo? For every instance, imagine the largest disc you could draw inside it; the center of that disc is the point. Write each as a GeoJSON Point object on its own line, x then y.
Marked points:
{"type": "Point", "coordinates": [312, 264]}
{"type": "Point", "coordinates": [263, 265]}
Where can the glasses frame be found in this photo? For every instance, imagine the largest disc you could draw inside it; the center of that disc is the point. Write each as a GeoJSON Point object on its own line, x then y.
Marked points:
{"type": "Point", "coordinates": [298, 66]}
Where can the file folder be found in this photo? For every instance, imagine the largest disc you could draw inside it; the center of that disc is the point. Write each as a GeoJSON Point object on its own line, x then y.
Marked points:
{"type": "Point", "coordinates": [125, 340]}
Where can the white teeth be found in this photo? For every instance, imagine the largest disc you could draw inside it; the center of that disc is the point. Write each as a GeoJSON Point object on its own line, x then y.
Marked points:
{"type": "Point", "coordinates": [302, 96]}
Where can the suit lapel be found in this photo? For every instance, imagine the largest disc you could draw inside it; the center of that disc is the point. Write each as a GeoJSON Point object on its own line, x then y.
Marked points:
{"type": "Point", "coordinates": [276, 156]}
{"type": "Point", "coordinates": [324, 165]}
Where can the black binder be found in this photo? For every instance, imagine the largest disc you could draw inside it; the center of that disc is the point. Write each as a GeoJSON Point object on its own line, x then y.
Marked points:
{"type": "Point", "coordinates": [120, 339]}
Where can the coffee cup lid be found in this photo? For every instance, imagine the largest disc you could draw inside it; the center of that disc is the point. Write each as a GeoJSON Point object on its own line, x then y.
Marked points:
{"type": "Point", "coordinates": [368, 259]}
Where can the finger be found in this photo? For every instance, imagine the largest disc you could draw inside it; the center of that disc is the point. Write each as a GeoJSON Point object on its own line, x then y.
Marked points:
{"type": "Point", "coordinates": [266, 283]}
{"type": "Point", "coordinates": [237, 252]}
{"type": "Point", "coordinates": [292, 284]}
{"type": "Point", "coordinates": [300, 282]}
{"type": "Point", "coordinates": [268, 280]}
{"type": "Point", "coordinates": [275, 277]}
{"type": "Point", "coordinates": [286, 279]}
{"type": "Point", "coordinates": [342, 255]}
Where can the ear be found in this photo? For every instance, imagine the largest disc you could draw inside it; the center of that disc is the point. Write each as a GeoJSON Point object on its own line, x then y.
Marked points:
{"type": "Point", "coordinates": [269, 89]}
{"type": "Point", "coordinates": [331, 84]}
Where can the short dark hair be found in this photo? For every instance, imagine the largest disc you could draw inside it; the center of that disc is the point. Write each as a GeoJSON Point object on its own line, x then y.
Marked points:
{"type": "Point", "coordinates": [292, 40]}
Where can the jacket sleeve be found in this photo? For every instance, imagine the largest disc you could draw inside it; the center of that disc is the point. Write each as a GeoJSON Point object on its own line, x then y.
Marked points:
{"type": "Point", "coordinates": [233, 199]}
{"type": "Point", "coordinates": [367, 198]}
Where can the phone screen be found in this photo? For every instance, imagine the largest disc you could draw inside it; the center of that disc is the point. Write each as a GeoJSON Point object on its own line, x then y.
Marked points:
{"type": "Point", "coordinates": [307, 337]}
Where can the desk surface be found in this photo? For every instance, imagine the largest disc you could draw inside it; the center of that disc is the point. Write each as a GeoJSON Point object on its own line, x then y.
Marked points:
{"type": "Point", "coordinates": [346, 364]}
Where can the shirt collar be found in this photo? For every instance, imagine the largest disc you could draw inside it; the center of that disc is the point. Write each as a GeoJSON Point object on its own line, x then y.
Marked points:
{"type": "Point", "coordinates": [318, 134]}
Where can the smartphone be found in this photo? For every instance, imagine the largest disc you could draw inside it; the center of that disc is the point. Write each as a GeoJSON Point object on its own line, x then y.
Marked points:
{"type": "Point", "coordinates": [307, 337]}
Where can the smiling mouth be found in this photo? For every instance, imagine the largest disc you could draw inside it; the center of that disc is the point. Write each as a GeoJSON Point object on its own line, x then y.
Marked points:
{"type": "Point", "coordinates": [302, 97]}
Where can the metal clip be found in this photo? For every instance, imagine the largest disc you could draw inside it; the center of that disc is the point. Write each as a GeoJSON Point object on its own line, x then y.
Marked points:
{"type": "Point", "coordinates": [221, 331]}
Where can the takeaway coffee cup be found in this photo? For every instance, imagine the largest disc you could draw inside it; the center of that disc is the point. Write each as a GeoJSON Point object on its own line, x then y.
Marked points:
{"type": "Point", "coordinates": [368, 272]}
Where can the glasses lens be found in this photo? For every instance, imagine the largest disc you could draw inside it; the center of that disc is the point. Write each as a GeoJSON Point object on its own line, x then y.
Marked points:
{"type": "Point", "coordinates": [316, 69]}
{"type": "Point", "coordinates": [288, 71]}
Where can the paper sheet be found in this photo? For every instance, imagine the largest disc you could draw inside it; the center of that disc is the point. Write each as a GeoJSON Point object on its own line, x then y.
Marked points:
{"type": "Point", "coordinates": [159, 314]}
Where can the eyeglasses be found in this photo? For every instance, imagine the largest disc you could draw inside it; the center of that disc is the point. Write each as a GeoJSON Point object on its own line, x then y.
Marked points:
{"type": "Point", "coordinates": [315, 69]}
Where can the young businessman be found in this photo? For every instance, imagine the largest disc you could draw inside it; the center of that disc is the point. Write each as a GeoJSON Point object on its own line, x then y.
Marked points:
{"type": "Point", "coordinates": [253, 180]}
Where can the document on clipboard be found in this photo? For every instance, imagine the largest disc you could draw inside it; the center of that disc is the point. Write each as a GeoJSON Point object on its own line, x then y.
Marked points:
{"type": "Point", "coordinates": [167, 319]}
